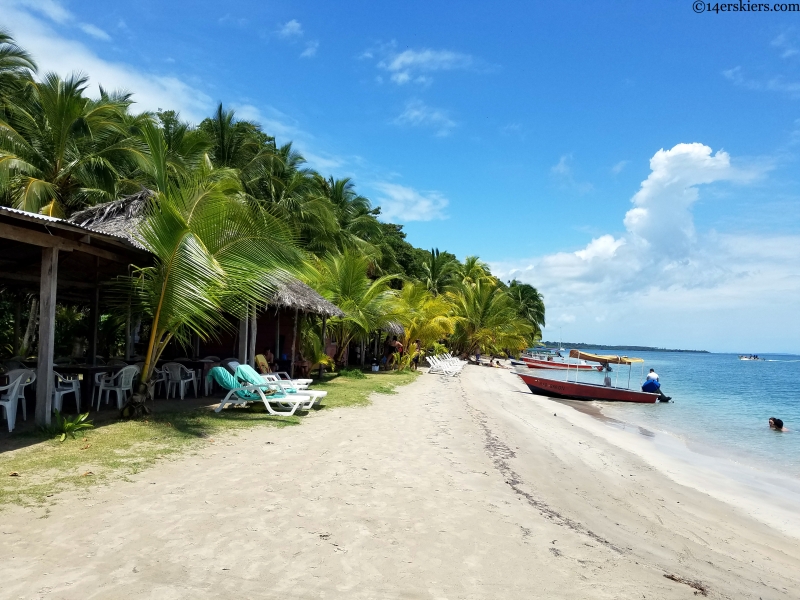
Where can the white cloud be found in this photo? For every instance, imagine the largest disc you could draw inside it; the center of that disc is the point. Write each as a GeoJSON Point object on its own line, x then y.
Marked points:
{"type": "Point", "coordinates": [53, 51]}
{"type": "Point", "coordinates": [418, 114]}
{"type": "Point", "coordinates": [662, 282]}
{"type": "Point", "coordinates": [291, 29]}
{"type": "Point", "coordinates": [414, 65]}
{"type": "Point", "coordinates": [619, 167]}
{"type": "Point", "coordinates": [95, 32]}
{"type": "Point", "coordinates": [787, 46]}
{"type": "Point", "coordinates": [563, 175]}
{"type": "Point", "coordinates": [49, 8]}
{"type": "Point", "coordinates": [311, 50]}
{"type": "Point", "coordinates": [400, 203]}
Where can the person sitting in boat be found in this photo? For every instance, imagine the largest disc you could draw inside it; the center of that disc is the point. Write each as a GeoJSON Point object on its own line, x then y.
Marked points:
{"type": "Point", "coordinates": [653, 386]}
{"type": "Point", "coordinates": [776, 424]}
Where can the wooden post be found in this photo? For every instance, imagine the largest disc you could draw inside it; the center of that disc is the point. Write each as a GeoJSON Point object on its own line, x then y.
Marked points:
{"type": "Point", "coordinates": [294, 344]}
{"type": "Point", "coordinates": [243, 341]}
{"type": "Point", "coordinates": [363, 352]}
{"type": "Point", "coordinates": [251, 355]}
{"type": "Point", "coordinates": [128, 334]}
{"type": "Point", "coordinates": [277, 333]}
{"type": "Point", "coordinates": [17, 325]}
{"type": "Point", "coordinates": [196, 346]}
{"type": "Point", "coordinates": [94, 318]}
{"type": "Point", "coordinates": [47, 330]}
{"type": "Point", "coordinates": [324, 340]}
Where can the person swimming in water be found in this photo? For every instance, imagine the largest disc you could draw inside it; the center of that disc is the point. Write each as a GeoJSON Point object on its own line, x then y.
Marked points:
{"type": "Point", "coordinates": [776, 424]}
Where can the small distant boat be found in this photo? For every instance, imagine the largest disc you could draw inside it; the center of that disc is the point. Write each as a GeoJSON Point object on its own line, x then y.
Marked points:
{"type": "Point", "coordinates": [749, 357]}
{"type": "Point", "coordinates": [575, 390]}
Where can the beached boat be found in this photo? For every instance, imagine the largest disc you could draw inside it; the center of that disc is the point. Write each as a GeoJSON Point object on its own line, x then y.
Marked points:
{"type": "Point", "coordinates": [549, 359]}
{"type": "Point", "coordinates": [576, 390]}
{"type": "Point", "coordinates": [555, 362]}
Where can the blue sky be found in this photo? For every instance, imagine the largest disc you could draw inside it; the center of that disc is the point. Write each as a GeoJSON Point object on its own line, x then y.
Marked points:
{"type": "Point", "coordinates": [520, 132]}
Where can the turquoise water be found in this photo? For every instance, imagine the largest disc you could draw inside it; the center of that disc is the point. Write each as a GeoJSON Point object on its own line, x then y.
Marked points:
{"type": "Point", "coordinates": [720, 405]}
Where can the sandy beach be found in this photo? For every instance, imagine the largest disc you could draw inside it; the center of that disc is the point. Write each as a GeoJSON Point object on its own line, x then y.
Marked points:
{"type": "Point", "coordinates": [463, 487]}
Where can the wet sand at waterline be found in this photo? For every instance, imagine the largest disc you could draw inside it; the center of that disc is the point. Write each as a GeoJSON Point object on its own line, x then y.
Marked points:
{"type": "Point", "coordinates": [453, 488]}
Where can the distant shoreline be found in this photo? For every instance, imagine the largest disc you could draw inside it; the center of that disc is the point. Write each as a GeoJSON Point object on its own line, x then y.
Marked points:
{"type": "Point", "coordinates": [582, 346]}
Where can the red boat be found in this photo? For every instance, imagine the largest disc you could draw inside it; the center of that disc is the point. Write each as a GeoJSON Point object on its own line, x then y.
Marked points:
{"type": "Point", "coordinates": [583, 391]}
{"type": "Point", "coordinates": [589, 391]}
{"type": "Point", "coordinates": [542, 363]}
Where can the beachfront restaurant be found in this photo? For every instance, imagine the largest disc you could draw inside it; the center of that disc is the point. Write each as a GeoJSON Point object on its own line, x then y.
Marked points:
{"type": "Point", "coordinates": [69, 261]}
{"type": "Point", "coordinates": [57, 261]}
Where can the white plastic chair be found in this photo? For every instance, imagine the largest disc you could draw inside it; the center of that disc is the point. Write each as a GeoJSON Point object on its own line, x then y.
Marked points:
{"type": "Point", "coordinates": [10, 399]}
{"type": "Point", "coordinates": [120, 384]}
{"type": "Point", "coordinates": [63, 387]}
{"type": "Point", "coordinates": [180, 377]}
{"type": "Point", "coordinates": [29, 376]}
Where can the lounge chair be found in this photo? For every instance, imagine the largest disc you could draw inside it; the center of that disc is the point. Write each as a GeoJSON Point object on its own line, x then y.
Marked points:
{"type": "Point", "coordinates": [239, 394]}
{"type": "Point", "coordinates": [287, 387]}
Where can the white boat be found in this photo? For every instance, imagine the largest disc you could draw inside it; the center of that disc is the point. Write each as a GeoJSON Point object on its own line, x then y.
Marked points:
{"type": "Point", "coordinates": [749, 357]}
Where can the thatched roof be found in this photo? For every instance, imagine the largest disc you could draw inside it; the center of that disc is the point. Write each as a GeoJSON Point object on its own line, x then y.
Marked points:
{"type": "Point", "coordinates": [393, 328]}
{"type": "Point", "coordinates": [296, 294]}
{"type": "Point", "coordinates": [122, 218]}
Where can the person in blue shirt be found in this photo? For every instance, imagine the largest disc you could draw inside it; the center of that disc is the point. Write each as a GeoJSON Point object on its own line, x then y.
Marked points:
{"type": "Point", "coordinates": [653, 385]}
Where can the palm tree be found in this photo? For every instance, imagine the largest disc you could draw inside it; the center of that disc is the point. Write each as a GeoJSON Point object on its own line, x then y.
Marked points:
{"type": "Point", "coordinates": [61, 151]}
{"type": "Point", "coordinates": [487, 320]}
{"type": "Point", "coordinates": [292, 194]}
{"type": "Point", "coordinates": [239, 145]}
{"type": "Point", "coordinates": [215, 253]}
{"type": "Point", "coordinates": [358, 226]}
{"type": "Point", "coordinates": [424, 317]}
{"type": "Point", "coordinates": [529, 302]}
{"type": "Point", "coordinates": [368, 304]}
{"type": "Point", "coordinates": [16, 66]}
{"type": "Point", "coordinates": [437, 271]}
{"type": "Point", "coordinates": [471, 271]}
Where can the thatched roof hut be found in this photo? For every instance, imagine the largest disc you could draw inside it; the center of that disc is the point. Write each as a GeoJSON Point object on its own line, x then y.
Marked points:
{"type": "Point", "coordinates": [122, 218]}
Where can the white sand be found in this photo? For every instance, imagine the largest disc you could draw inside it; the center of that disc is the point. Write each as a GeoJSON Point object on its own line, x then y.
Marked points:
{"type": "Point", "coordinates": [454, 488]}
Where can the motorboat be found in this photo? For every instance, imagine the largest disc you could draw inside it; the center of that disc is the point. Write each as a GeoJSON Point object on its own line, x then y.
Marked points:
{"type": "Point", "coordinates": [576, 390]}
{"type": "Point", "coordinates": [749, 357]}
{"type": "Point", "coordinates": [550, 359]}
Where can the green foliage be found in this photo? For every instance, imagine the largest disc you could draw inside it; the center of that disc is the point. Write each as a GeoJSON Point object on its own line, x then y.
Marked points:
{"type": "Point", "coordinates": [368, 303]}
{"type": "Point", "coordinates": [352, 373]}
{"type": "Point", "coordinates": [67, 426]}
{"type": "Point", "coordinates": [438, 270]}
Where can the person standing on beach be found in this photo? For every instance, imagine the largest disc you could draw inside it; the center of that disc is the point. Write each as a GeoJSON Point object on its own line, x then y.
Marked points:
{"type": "Point", "coordinates": [653, 385]}
{"type": "Point", "coordinates": [416, 354]}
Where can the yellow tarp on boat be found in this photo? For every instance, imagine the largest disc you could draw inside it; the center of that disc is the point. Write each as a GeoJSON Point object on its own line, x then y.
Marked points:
{"type": "Point", "coordinates": [604, 359]}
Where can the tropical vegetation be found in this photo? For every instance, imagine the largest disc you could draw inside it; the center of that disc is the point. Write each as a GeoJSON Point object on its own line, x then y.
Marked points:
{"type": "Point", "coordinates": [232, 214]}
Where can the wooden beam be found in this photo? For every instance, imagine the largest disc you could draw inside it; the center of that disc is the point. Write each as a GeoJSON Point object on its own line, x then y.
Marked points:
{"type": "Point", "coordinates": [243, 341]}
{"type": "Point", "coordinates": [47, 330]}
{"type": "Point", "coordinates": [36, 278]}
{"type": "Point", "coordinates": [94, 325]}
{"type": "Point", "coordinates": [45, 240]}
{"type": "Point", "coordinates": [324, 340]}
{"type": "Point", "coordinates": [17, 324]}
{"type": "Point", "coordinates": [277, 334]}
{"type": "Point", "coordinates": [294, 344]}
{"type": "Point", "coordinates": [251, 345]}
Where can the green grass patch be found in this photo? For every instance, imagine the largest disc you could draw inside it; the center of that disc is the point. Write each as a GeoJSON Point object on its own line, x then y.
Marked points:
{"type": "Point", "coordinates": [117, 449]}
{"type": "Point", "coordinates": [349, 391]}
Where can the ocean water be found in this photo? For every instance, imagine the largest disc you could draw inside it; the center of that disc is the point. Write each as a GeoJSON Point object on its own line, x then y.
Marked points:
{"type": "Point", "coordinates": [720, 406]}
